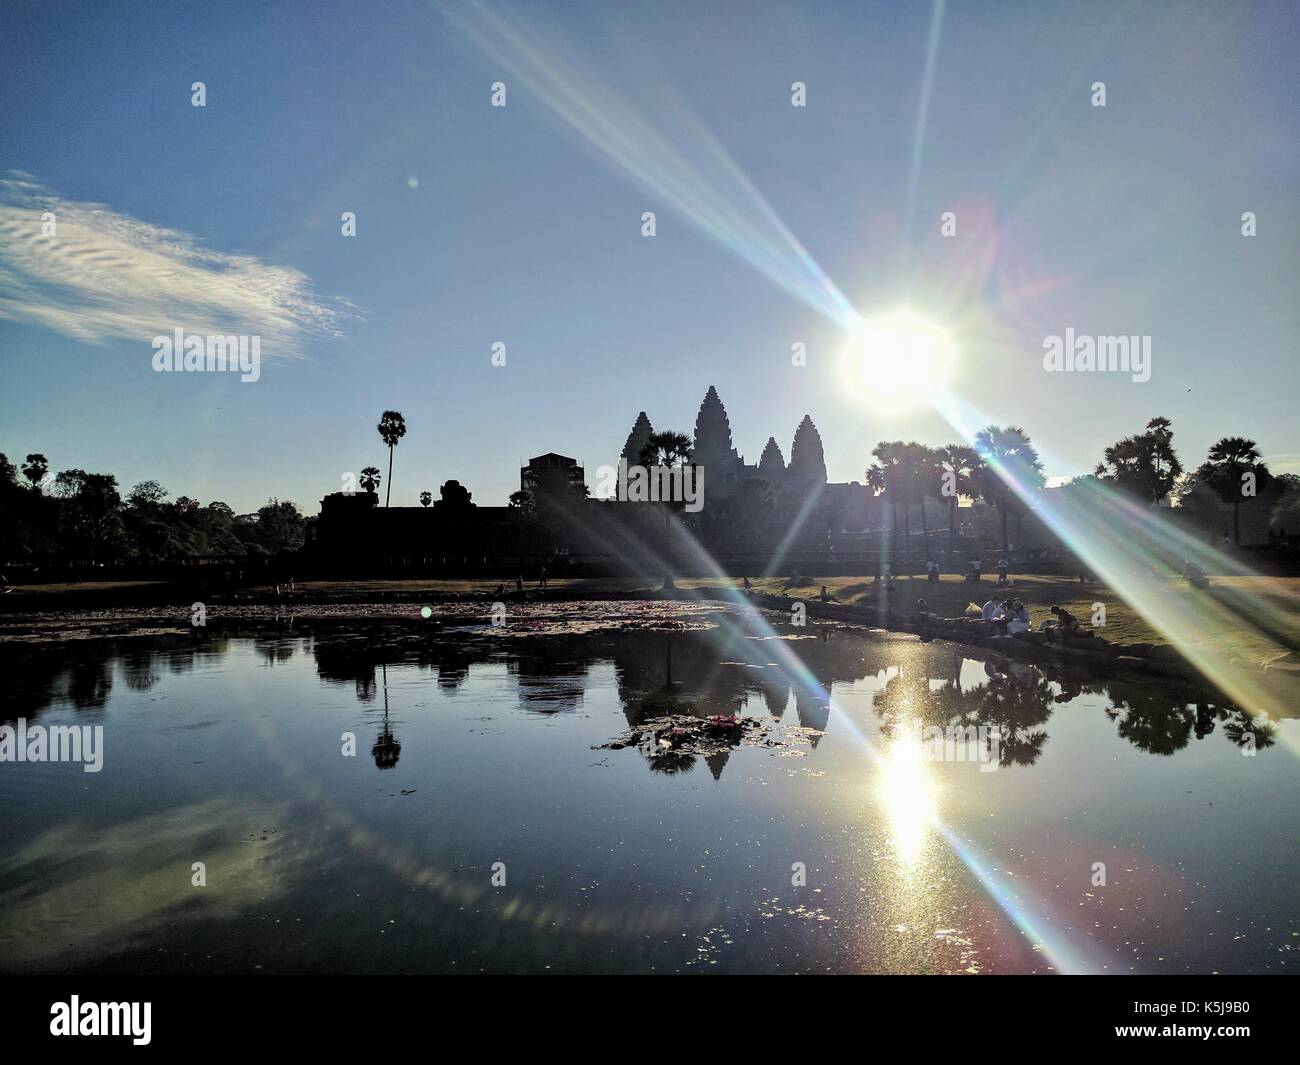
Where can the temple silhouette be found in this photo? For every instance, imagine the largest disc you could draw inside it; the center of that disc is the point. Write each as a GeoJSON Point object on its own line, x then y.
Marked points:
{"type": "Point", "coordinates": [751, 514]}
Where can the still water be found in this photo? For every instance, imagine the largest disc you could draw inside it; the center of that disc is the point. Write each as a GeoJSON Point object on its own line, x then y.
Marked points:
{"type": "Point", "coordinates": [847, 848]}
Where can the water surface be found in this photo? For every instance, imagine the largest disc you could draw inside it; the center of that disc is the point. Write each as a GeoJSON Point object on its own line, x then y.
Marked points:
{"type": "Point", "coordinates": [472, 751]}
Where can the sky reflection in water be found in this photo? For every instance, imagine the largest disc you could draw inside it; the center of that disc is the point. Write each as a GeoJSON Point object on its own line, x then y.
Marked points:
{"type": "Point", "coordinates": [471, 752]}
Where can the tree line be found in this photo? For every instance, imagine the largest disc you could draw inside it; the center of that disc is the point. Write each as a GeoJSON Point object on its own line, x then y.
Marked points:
{"type": "Point", "coordinates": [79, 515]}
{"type": "Point", "coordinates": [1003, 469]}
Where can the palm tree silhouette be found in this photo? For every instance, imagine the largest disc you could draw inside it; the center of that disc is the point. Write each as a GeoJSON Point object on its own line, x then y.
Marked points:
{"type": "Point", "coordinates": [392, 427]}
{"type": "Point", "coordinates": [958, 468]}
{"type": "Point", "coordinates": [35, 469]}
{"type": "Point", "coordinates": [1229, 460]}
{"type": "Point", "coordinates": [1009, 459]}
{"type": "Point", "coordinates": [1145, 465]}
{"type": "Point", "coordinates": [370, 478]}
{"type": "Point", "coordinates": [886, 478]}
{"type": "Point", "coordinates": [426, 498]}
{"type": "Point", "coordinates": [921, 469]}
{"type": "Point", "coordinates": [668, 448]}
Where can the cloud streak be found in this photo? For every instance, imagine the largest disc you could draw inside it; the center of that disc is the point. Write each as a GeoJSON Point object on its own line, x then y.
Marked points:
{"type": "Point", "coordinates": [108, 276]}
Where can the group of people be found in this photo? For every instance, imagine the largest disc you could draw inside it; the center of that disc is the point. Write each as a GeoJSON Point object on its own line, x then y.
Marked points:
{"type": "Point", "coordinates": [1009, 615]}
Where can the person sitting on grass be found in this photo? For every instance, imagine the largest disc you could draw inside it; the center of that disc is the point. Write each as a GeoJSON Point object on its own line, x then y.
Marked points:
{"type": "Point", "coordinates": [826, 596]}
{"type": "Point", "coordinates": [1018, 620]}
{"type": "Point", "coordinates": [1001, 616]}
{"type": "Point", "coordinates": [1061, 624]}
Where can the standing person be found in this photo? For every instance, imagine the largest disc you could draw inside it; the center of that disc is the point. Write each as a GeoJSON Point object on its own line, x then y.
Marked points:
{"type": "Point", "coordinates": [519, 584]}
{"type": "Point", "coordinates": [747, 585]}
{"type": "Point", "coordinates": [542, 578]}
{"type": "Point", "coordinates": [1003, 566]}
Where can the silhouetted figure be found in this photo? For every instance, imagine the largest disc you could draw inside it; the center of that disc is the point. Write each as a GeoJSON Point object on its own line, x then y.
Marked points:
{"type": "Point", "coordinates": [1061, 624]}
{"type": "Point", "coordinates": [519, 584]}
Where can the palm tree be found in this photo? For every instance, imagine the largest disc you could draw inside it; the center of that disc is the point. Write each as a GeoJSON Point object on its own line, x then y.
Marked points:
{"type": "Point", "coordinates": [426, 498]}
{"type": "Point", "coordinates": [921, 465]}
{"type": "Point", "coordinates": [1225, 468]}
{"type": "Point", "coordinates": [958, 468]}
{"type": "Point", "coordinates": [1011, 469]}
{"type": "Point", "coordinates": [1165, 467]}
{"type": "Point", "coordinates": [35, 469]}
{"type": "Point", "coordinates": [886, 478]}
{"type": "Point", "coordinates": [1144, 465]}
{"type": "Point", "coordinates": [668, 448]}
{"type": "Point", "coordinates": [370, 478]}
{"type": "Point", "coordinates": [392, 427]}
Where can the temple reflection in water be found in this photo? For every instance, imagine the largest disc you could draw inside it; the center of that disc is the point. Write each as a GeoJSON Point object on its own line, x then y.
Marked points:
{"type": "Point", "coordinates": [731, 669]}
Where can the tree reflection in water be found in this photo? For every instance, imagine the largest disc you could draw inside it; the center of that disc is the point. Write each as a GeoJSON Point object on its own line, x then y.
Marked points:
{"type": "Point", "coordinates": [698, 673]}
{"type": "Point", "coordinates": [1016, 701]}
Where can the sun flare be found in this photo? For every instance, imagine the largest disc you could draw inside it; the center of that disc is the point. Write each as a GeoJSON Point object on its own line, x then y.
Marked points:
{"type": "Point", "coordinates": [900, 359]}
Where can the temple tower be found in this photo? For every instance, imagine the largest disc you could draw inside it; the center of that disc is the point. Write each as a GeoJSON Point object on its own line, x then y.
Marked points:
{"type": "Point", "coordinates": [713, 448]}
{"type": "Point", "coordinates": [807, 468]}
{"type": "Point", "coordinates": [637, 439]}
{"type": "Point", "coordinates": [771, 466]}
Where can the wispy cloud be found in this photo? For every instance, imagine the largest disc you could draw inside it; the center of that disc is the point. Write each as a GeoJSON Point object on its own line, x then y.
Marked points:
{"type": "Point", "coordinates": [107, 276]}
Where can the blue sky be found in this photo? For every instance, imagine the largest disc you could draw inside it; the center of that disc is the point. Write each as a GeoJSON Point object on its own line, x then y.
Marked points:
{"type": "Point", "coordinates": [523, 225]}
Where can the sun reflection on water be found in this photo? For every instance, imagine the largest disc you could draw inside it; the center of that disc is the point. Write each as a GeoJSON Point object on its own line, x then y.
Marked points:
{"type": "Point", "coordinates": [910, 797]}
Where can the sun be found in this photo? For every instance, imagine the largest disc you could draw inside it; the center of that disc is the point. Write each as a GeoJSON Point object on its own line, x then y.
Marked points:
{"type": "Point", "coordinates": [900, 359]}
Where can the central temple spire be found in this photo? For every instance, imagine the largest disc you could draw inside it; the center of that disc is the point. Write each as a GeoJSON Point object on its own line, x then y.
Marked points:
{"type": "Point", "coordinates": [807, 460]}
{"type": "Point", "coordinates": [713, 448]}
{"type": "Point", "coordinates": [712, 429]}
